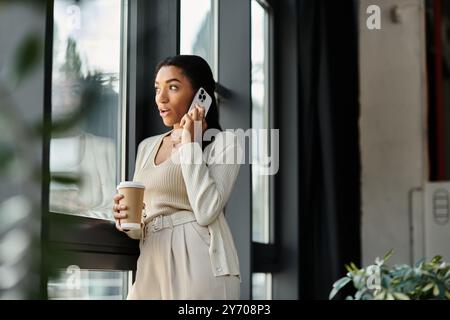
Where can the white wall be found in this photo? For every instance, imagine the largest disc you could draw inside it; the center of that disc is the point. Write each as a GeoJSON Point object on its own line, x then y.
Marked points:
{"type": "Point", "coordinates": [392, 125]}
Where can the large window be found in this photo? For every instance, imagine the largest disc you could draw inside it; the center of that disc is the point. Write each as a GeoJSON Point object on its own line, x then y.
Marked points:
{"type": "Point", "coordinates": [87, 145]}
{"type": "Point", "coordinates": [198, 30]}
{"type": "Point", "coordinates": [260, 94]}
{"type": "Point", "coordinates": [86, 113]}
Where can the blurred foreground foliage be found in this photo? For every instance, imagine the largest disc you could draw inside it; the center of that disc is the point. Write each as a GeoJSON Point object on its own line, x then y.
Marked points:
{"type": "Point", "coordinates": [26, 259]}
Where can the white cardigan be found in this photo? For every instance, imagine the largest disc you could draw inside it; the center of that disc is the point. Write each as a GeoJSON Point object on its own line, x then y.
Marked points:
{"type": "Point", "coordinates": [209, 177]}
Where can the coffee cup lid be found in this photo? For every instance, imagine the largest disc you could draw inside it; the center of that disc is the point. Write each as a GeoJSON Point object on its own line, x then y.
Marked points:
{"type": "Point", "coordinates": [130, 184]}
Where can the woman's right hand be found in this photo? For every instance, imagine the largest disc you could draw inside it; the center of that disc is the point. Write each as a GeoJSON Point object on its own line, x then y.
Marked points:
{"type": "Point", "coordinates": [116, 210]}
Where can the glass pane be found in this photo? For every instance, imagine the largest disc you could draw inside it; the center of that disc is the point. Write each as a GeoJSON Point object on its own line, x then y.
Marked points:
{"type": "Point", "coordinates": [86, 87]}
{"type": "Point", "coordinates": [198, 25]}
{"type": "Point", "coordinates": [78, 284]}
{"type": "Point", "coordinates": [260, 120]}
{"type": "Point", "coordinates": [262, 286]}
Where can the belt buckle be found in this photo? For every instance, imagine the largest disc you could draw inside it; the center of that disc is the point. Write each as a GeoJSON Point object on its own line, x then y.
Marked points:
{"type": "Point", "coordinates": [157, 223]}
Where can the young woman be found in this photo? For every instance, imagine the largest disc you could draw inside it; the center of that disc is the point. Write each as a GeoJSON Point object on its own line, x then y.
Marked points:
{"type": "Point", "coordinates": [186, 247]}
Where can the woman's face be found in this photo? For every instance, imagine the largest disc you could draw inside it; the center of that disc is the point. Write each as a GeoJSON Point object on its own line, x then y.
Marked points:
{"type": "Point", "coordinates": [174, 94]}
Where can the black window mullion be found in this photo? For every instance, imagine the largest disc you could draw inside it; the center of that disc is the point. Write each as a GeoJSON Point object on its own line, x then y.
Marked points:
{"type": "Point", "coordinates": [265, 258]}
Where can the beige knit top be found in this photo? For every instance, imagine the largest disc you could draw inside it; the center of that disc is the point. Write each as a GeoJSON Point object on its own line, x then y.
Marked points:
{"type": "Point", "coordinates": [165, 191]}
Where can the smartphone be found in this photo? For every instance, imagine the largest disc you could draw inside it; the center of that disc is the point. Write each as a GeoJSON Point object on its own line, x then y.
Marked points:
{"type": "Point", "coordinates": [203, 99]}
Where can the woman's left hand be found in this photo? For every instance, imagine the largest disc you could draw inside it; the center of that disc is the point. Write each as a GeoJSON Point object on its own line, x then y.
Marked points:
{"type": "Point", "coordinates": [188, 121]}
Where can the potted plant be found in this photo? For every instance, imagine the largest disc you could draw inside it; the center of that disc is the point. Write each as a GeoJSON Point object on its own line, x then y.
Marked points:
{"type": "Point", "coordinates": [425, 280]}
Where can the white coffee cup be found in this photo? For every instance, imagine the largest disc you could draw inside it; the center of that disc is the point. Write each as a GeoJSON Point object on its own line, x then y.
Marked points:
{"type": "Point", "coordinates": [133, 193]}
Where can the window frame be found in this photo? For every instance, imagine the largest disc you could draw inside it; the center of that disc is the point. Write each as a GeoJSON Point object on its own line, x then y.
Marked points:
{"type": "Point", "coordinates": [77, 240]}
{"type": "Point", "coordinates": [215, 44]}
{"type": "Point", "coordinates": [266, 255]}
{"type": "Point", "coordinates": [88, 242]}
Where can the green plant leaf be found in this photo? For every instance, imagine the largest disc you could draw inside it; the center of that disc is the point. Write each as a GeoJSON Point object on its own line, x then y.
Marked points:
{"type": "Point", "coordinates": [426, 280]}
{"type": "Point", "coordinates": [348, 268]}
{"type": "Point", "coordinates": [401, 296]}
{"type": "Point", "coordinates": [381, 295]}
{"type": "Point", "coordinates": [436, 260]}
{"type": "Point", "coordinates": [333, 293]}
{"type": "Point", "coordinates": [418, 263]}
{"type": "Point", "coordinates": [436, 290]}
{"type": "Point", "coordinates": [341, 282]}
{"type": "Point", "coordinates": [338, 285]}
{"type": "Point", "coordinates": [388, 254]}
{"type": "Point", "coordinates": [359, 294]}
{"type": "Point", "coordinates": [428, 287]}
{"type": "Point", "coordinates": [447, 274]}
